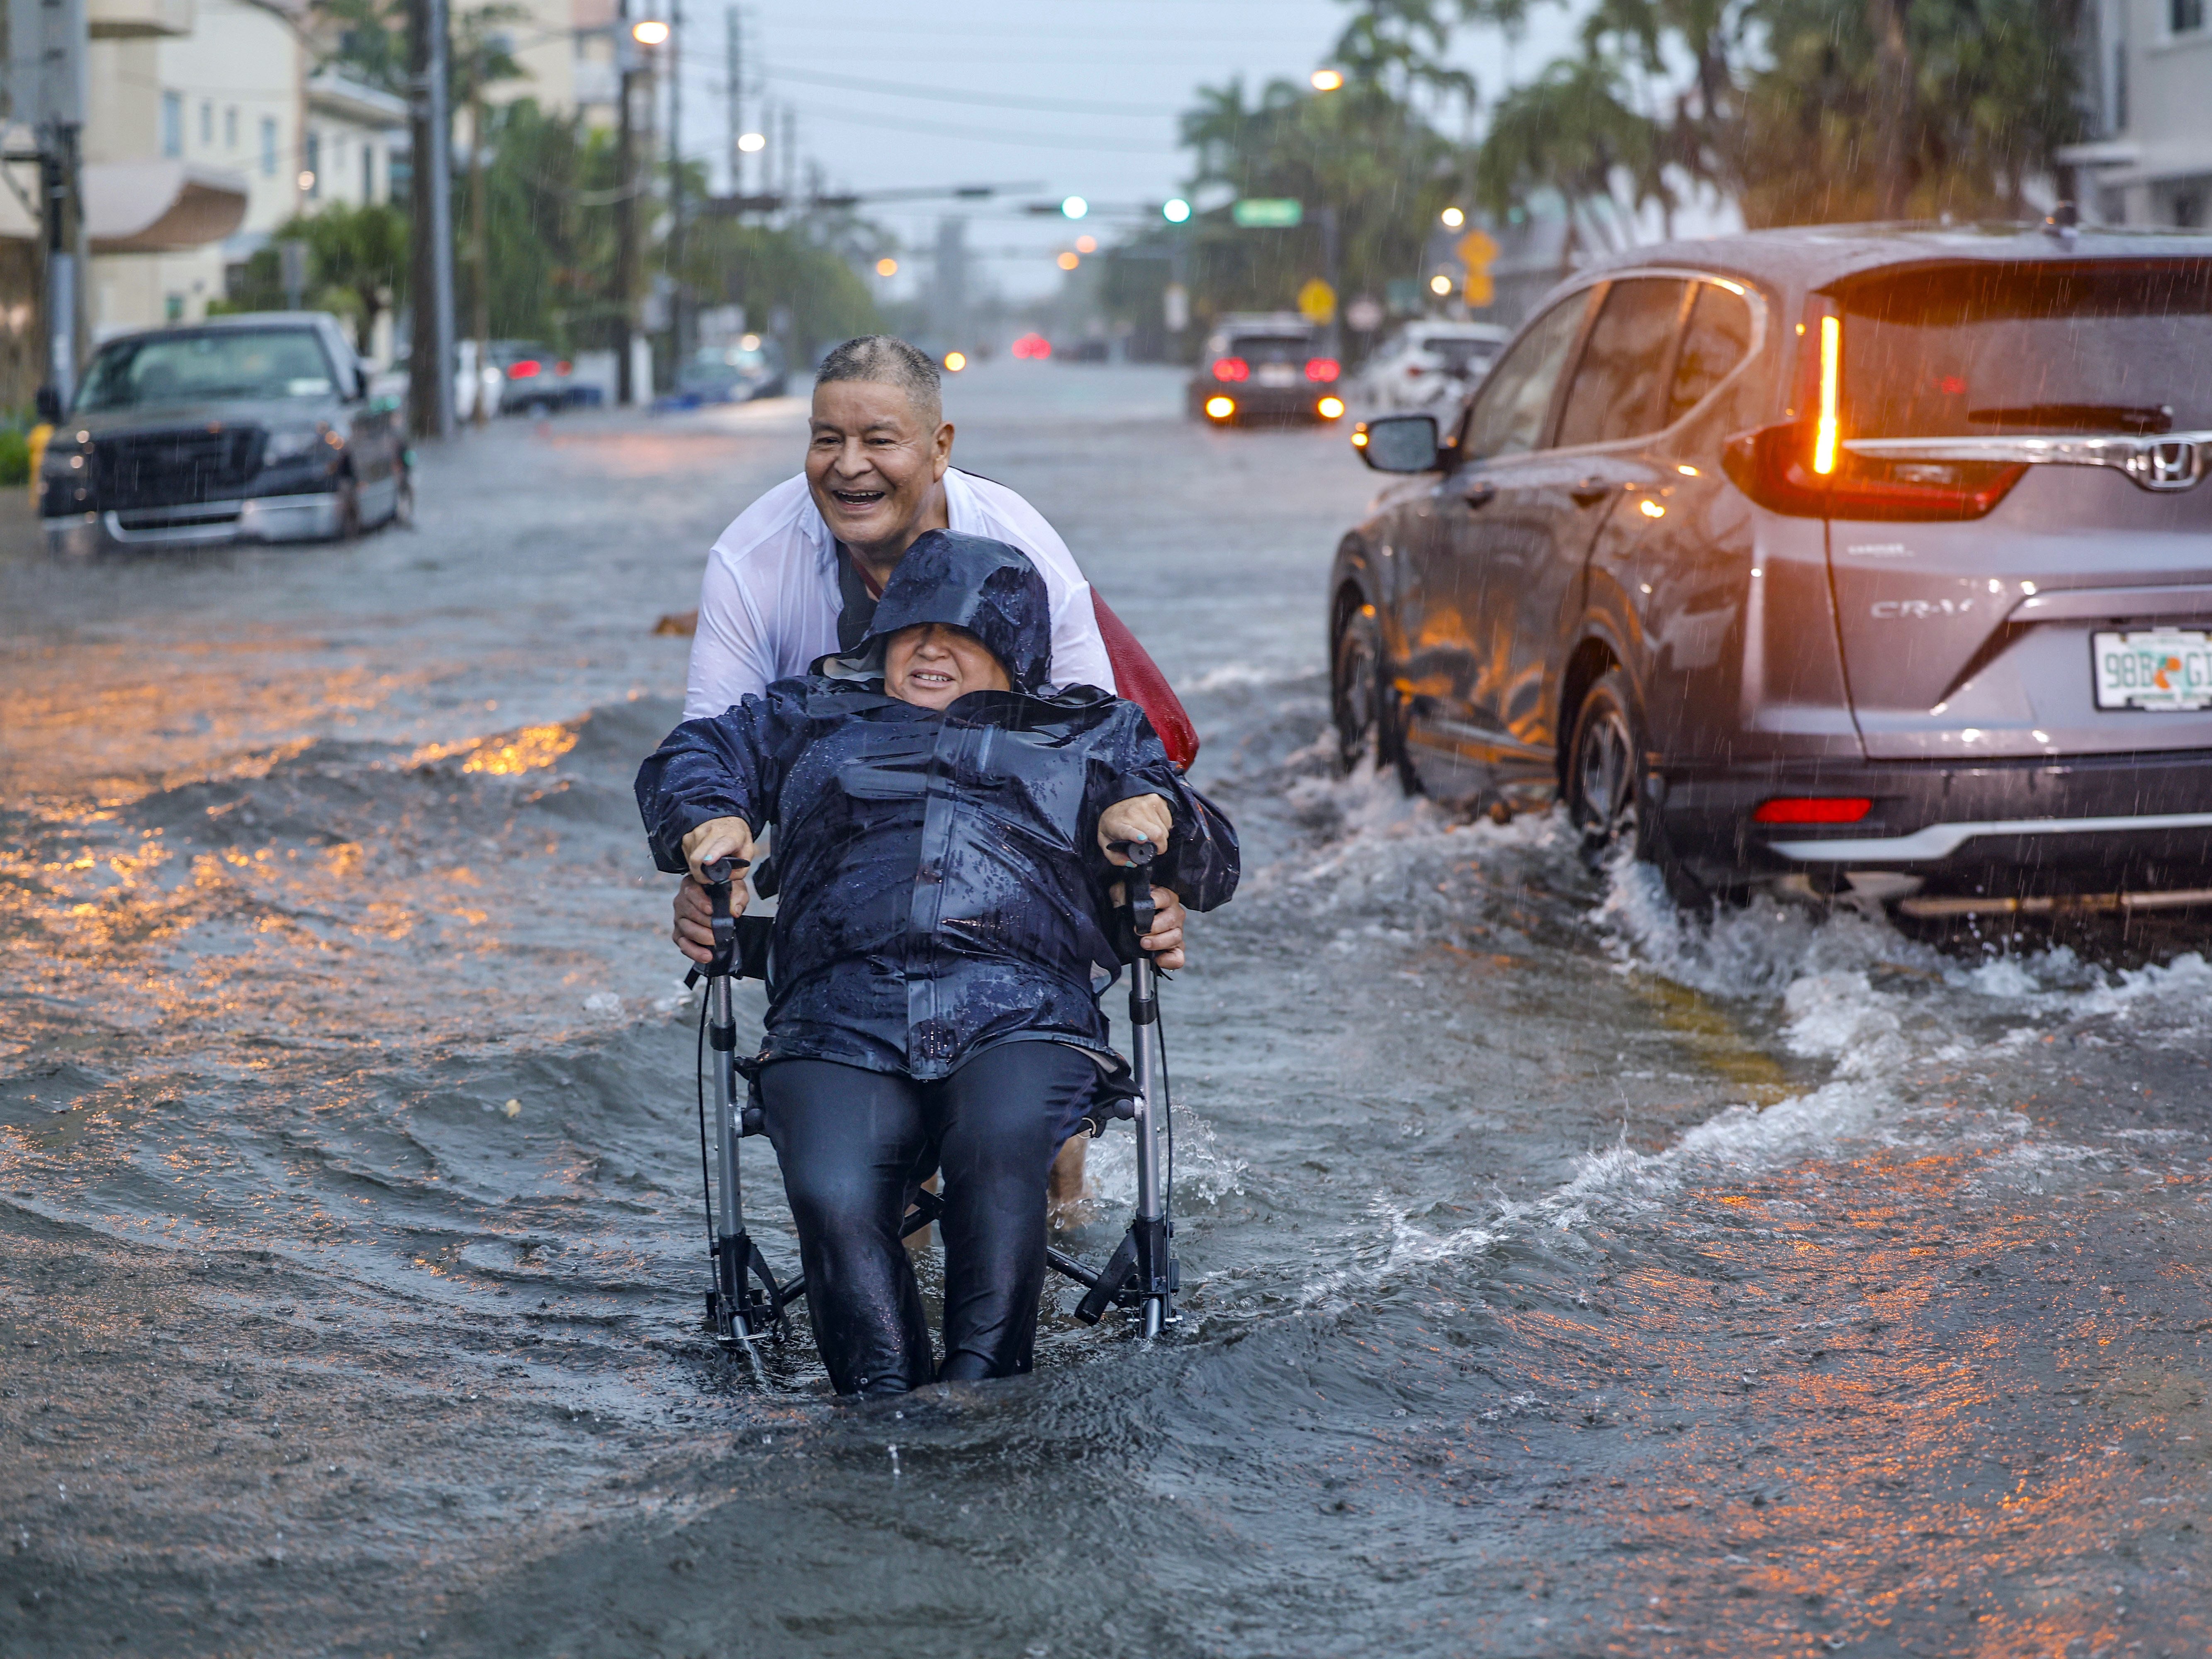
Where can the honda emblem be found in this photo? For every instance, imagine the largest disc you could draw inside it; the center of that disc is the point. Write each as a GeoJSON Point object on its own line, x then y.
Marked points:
{"type": "Point", "coordinates": [2168, 463]}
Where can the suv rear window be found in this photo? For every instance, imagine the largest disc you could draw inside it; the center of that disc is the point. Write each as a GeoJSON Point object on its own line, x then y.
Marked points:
{"type": "Point", "coordinates": [1985, 350]}
{"type": "Point", "coordinates": [1257, 348]}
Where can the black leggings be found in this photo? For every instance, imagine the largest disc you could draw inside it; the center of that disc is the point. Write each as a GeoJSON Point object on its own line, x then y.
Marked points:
{"type": "Point", "coordinates": [852, 1143]}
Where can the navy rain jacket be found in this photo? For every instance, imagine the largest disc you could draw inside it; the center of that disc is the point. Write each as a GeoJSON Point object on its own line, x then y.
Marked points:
{"type": "Point", "coordinates": [941, 889]}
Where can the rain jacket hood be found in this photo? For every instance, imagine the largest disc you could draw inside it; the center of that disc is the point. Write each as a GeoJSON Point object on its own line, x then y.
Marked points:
{"type": "Point", "coordinates": [988, 588]}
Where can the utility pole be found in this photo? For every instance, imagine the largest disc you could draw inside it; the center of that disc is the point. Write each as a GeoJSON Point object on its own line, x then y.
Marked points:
{"type": "Point", "coordinates": [625, 206]}
{"type": "Point", "coordinates": [676, 295]}
{"type": "Point", "coordinates": [1333, 275]}
{"type": "Point", "coordinates": [790, 163]}
{"type": "Point", "coordinates": [430, 356]}
{"type": "Point", "coordinates": [479, 238]}
{"type": "Point", "coordinates": [48, 92]}
{"type": "Point", "coordinates": [733, 81]}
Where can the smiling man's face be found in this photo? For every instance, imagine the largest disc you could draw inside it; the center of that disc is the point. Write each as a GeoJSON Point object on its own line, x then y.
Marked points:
{"type": "Point", "coordinates": [873, 462]}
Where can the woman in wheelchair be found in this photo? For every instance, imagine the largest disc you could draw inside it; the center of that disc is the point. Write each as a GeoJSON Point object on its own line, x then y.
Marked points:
{"type": "Point", "coordinates": [945, 820]}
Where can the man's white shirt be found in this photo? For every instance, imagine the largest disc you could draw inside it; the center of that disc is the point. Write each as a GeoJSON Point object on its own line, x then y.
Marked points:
{"type": "Point", "coordinates": [769, 602]}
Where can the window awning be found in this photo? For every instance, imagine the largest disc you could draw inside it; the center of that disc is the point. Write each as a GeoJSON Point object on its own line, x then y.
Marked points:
{"type": "Point", "coordinates": [145, 207]}
{"type": "Point", "coordinates": [160, 207]}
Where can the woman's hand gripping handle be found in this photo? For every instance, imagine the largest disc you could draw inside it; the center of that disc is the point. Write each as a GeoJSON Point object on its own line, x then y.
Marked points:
{"type": "Point", "coordinates": [1144, 820]}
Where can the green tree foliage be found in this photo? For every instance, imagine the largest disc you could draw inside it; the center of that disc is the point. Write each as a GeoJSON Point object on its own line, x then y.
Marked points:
{"type": "Point", "coordinates": [805, 271]}
{"type": "Point", "coordinates": [356, 266]}
{"type": "Point", "coordinates": [1885, 108]}
{"type": "Point", "coordinates": [1573, 132]}
{"type": "Point", "coordinates": [550, 183]}
{"type": "Point", "coordinates": [366, 39]}
{"type": "Point", "coordinates": [1364, 151]}
{"type": "Point", "coordinates": [1804, 111]}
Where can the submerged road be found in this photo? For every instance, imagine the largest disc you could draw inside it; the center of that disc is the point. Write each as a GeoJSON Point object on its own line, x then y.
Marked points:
{"type": "Point", "coordinates": [1570, 1277]}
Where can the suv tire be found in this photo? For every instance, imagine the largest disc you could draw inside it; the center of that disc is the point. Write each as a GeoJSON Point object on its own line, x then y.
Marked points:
{"type": "Point", "coordinates": [1608, 783]}
{"type": "Point", "coordinates": [1363, 707]}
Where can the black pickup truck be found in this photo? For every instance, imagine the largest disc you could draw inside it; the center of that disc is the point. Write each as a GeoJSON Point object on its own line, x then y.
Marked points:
{"type": "Point", "coordinates": [254, 428]}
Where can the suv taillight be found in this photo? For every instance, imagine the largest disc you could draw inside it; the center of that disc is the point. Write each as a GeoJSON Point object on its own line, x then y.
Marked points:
{"type": "Point", "coordinates": [1775, 466]}
{"type": "Point", "coordinates": [1231, 368]}
{"type": "Point", "coordinates": [1323, 369]}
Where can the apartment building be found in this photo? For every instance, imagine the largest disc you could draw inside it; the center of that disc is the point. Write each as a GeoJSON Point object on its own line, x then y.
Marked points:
{"type": "Point", "coordinates": [2148, 83]}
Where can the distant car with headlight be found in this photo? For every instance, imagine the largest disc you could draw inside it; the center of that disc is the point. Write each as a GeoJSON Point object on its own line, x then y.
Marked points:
{"type": "Point", "coordinates": [1877, 558]}
{"type": "Point", "coordinates": [1269, 367]}
{"type": "Point", "coordinates": [253, 428]}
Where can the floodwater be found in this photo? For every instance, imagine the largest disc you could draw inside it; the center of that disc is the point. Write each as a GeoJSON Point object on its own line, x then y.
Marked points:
{"type": "Point", "coordinates": [1566, 1276]}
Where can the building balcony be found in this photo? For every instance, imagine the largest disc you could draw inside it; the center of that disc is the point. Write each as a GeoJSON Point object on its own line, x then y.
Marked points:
{"type": "Point", "coordinates": [131, 20]}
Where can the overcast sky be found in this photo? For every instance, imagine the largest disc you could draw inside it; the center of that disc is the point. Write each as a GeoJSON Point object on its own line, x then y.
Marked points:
{"type": "Point", "coordinates": [1070, 97]}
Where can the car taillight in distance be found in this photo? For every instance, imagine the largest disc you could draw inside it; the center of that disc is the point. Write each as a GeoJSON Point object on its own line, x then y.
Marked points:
{"type": "Point", "coordinates": [1231, 368]}
{"type": "Point", "coordinates": [1813, 809]}
{"type": "Point", "coordinates": [523, 370]}
{"type": "Point", "coordinates": [1323, 369]}
{"type": "Point", "coordinates": [561, 367]}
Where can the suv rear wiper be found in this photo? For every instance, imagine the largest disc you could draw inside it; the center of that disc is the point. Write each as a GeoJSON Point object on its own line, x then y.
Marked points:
{"type": "Point", "coordinates": [2079, 417]}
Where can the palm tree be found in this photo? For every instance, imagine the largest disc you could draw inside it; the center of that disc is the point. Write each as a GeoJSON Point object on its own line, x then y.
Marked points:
{"type": "Point", "coordinates": [358, 256]}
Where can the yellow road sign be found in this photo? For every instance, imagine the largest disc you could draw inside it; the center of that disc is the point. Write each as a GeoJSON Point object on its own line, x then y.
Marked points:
{"type": "Point", "coordinates": [1476, 251]}
{"type": "Point", "coordinates": [1316, 301]}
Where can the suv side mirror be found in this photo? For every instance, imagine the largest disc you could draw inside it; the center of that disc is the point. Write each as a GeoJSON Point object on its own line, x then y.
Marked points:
{"type": "Point", "coordinates": [1398, 443]}
{"type": "Point", "coordinates": [50, 405]}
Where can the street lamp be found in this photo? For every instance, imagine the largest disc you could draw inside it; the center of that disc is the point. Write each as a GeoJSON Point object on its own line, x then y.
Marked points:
{"type": "Point", "coordinates": [1327, 80]}
{"type": "Point", "coordinates": [649, 32]}
{"type": "Point", "coordinates": [1440, 285]}
{"type": "Point", "coordinates": [1175, 212]}
{"type": "Point", "coordinates": [887, 267]}
{"type": "Point", "coordinates": [1086, 244]}
{"type": "Point", "coordinates": [1074, 207]}
{"type": "Point", "coordinates": [1067, 262]}
{"type": "Point", "coordinates": [1453, 217]}
{"type": "Point", "coordinates": [751, 143]}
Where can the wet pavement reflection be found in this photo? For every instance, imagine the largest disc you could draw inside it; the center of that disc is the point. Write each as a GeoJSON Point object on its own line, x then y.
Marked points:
{"type": "Point", "coordinates": [1572, 1276]}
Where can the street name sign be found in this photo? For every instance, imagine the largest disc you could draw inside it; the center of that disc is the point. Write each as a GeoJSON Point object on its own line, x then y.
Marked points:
{"type": "Point", "coordinates": [1268, 213]}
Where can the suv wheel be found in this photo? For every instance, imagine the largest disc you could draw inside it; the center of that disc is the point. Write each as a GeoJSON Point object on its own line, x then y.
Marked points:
{"type": "Point", "coordinates": [1605, 766]}
{"type": "Point", "coordinates": [1607, 780]}
{"type": "Point", "coordinates": [1361, 705]}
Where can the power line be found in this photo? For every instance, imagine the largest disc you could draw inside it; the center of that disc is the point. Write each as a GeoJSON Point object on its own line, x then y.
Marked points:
{"type": "Point", "coordinates": [1024, 140]}
{"type": "Point", "coordinates": [941, 94]}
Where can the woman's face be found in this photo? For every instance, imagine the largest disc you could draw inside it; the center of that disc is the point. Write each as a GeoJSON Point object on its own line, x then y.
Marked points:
{"type": "Point", "coordinates": [931, 664]}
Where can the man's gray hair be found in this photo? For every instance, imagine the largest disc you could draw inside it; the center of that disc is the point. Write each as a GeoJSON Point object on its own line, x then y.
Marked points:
{"type": "Point", "coordinates": [887, 359]}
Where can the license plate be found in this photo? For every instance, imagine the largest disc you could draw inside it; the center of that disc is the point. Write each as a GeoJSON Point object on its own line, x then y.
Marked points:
{"type": "Point", "coordinates": [1278, 374]}
{"type": "Point", "coordinates": [2160, 668]}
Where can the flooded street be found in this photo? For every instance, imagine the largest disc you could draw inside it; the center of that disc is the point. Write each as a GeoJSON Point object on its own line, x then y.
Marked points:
{"type": "Point", "coordinates": [1563, 1275]}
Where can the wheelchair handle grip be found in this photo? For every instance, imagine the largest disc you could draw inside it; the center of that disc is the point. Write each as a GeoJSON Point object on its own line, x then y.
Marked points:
{"type": "Point", "coordinates": [1138, 886]}
{"type": "Point", "coordinates": [720, 872]}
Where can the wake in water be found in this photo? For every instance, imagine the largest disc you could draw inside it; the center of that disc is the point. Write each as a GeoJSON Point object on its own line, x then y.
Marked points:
{"type": "Point", "coordinates": [1901, 1044]}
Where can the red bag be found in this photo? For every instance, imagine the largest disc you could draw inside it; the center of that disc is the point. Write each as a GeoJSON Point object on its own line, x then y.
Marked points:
{"type": "Point", "coordinates": [1138, 678]}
